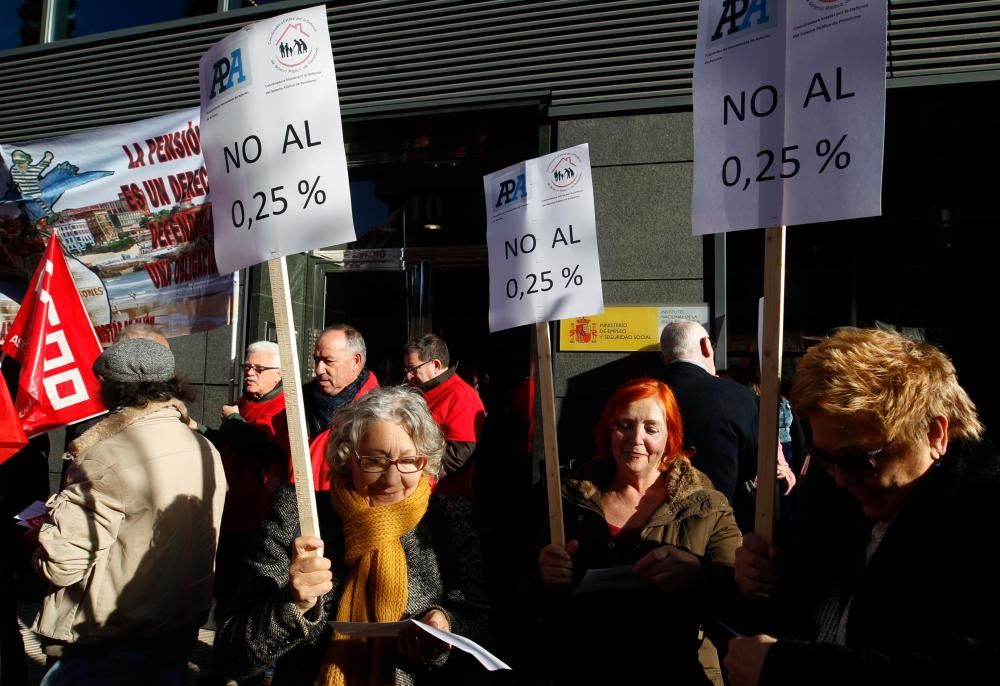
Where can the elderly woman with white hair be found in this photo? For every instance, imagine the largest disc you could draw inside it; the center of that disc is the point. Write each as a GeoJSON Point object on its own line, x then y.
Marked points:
{"type": "Point", "coordinates": [389, 550]}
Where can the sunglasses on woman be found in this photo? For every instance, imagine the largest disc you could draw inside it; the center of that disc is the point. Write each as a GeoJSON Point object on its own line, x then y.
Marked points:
{"type": "Point", "coordinates": [851, 461]}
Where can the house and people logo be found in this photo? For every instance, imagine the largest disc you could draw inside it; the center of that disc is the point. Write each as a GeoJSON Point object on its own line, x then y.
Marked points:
{"type": "Point", "coordinates": [564, 172]}
{"type": "Point", "coordinates": [827, 5]}
{"type": "Point", "coordinates": [293, 44]}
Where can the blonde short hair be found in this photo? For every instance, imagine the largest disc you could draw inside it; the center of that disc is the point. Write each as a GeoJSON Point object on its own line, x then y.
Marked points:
{"type": "Point", "coordinates": [402, 405]}
{"type": "Point", "coordinates": [899, 382]}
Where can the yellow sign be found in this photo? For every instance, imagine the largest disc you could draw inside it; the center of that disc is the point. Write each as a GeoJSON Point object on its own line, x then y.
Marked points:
{"type": "Point", "coordinates": [627, 329]}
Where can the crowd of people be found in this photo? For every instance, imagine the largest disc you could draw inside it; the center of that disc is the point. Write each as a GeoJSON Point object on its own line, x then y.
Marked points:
{"type": "Point", "coordinates": [162, 522]}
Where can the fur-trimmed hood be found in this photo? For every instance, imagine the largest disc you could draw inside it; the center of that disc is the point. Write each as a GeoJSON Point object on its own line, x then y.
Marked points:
{"type": "Point", "coordinates": [689, 491]}
{"type": "Point", "coordinates": [118, 421]}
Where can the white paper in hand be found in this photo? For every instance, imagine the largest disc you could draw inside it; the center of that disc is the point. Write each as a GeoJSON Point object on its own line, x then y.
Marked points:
{"type": "Point", "coordinates": [390, 629]}
{"type": "Point", "coordinates": [608, 579]}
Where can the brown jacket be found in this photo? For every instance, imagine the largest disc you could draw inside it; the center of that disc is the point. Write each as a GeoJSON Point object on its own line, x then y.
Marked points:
{"type": "Point", "coordinates": [130, 550]}
{"type": "Point", "coordinates": [591, 626]}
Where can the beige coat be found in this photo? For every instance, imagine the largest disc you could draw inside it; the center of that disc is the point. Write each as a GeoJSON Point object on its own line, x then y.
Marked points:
{"type": "Point", "coordinates": [130, 551]}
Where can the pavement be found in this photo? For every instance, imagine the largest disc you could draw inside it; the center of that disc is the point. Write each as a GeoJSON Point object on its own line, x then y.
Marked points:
{"type": "Point", "coordinates": [201, 661]}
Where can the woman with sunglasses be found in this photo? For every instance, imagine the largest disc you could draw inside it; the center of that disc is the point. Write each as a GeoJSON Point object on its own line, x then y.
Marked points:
{"type": "Point", "coordinates": [886, 585]}
{"type": "Point", "coordinates": [389, 550]}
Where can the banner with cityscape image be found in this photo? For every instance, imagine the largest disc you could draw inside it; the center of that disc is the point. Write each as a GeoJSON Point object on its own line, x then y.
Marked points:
{"type": "Point", "coordinates": [128, 203]}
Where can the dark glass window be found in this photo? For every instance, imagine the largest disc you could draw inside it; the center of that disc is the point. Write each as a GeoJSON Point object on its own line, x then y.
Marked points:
{"type": "Point", "coordinates": [418, 182]}
{"type": "Point", "coordinates": [76, 18]}
{"type": "Point", "coordinates": [20, 23]}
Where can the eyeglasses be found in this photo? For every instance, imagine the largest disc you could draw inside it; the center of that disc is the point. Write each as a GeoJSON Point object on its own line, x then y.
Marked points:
{"type": "Point", "coordinates": [855, 461]}
{"type": "Point", "coordinates": [258, 368]}
{"type": "Point", "coordinates": [411, 370]}
{"type": "Point", "coordinates": [408, 464]}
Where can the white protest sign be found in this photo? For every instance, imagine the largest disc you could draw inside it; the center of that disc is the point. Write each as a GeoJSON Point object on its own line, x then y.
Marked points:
{"type": "Point", "coordinates": [789, 112]}
{"type": "Point", "coordinates": [272, 139]}
{"type": "Point", "coordinates": [542, 240]}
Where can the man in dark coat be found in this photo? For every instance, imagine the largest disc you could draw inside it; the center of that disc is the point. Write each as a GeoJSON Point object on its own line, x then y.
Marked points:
{"type": "Point", "coordinates": [719, 416]}
{"type": "Point", "coordinates": [341, 378]}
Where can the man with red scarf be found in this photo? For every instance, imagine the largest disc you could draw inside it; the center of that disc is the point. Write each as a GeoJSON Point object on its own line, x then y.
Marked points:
{"type": "Point", "coordinates": [255, 453]}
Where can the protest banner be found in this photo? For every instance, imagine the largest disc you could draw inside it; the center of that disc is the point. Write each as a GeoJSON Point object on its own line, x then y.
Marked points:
{"type": "Point", "coordinates": [128, 202]}
{"type": "Point", "coordinates": [275, 153]}
{"type": "Point", "coordinates": [541, 236]}
{"type": "Point", "coordinates": [55, 344]}
{"type": "Point", "coordinates": [789, 105]}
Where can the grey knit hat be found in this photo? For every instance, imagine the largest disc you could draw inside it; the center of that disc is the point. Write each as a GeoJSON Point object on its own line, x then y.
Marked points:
{"type": "Point", "coordinates": [135, 360]}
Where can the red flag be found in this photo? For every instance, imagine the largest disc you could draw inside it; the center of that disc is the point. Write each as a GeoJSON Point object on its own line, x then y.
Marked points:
{"type": "Point", "coordinates": [54, 341]}
{"type": "Point", "coordinates": [12, 436]}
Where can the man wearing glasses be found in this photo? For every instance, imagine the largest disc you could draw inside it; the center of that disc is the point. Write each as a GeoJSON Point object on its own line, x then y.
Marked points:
{"type": "Point", "coordinates": [454, 404]}
{"type": "Point", "coordinates": [889, 585]}
{"type": "Point", "coordinates": [255, 454]}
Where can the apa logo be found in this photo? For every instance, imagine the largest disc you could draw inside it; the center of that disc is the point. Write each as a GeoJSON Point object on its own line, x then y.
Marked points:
{"type": "Point", "coordinates": [293, 44]}
{"type": "Point", "coordinates": [564, 172]}
{"type": "Point", "coordinates": [228, 73]}
{"type": "Point", "coordinates": [740, 16]}
{"type": "Point", "coordinates": [511, 190]}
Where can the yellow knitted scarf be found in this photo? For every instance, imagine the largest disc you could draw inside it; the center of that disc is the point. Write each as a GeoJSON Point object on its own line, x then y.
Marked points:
{"type": "Point", "coordinates": [376, 586]}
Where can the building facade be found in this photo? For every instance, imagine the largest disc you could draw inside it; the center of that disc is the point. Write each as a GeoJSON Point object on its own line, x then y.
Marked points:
{"type": "Point", "coordinates": [436, 94]}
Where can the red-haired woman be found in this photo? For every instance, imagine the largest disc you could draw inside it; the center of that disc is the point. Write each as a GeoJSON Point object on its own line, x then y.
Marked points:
{"type": "Point", "coordinates": [642, 508]}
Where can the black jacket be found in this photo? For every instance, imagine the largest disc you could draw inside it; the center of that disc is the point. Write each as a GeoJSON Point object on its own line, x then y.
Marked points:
{"type": "Point", "coordinates": [925, 610]}
{"type": "Point", "coordinates": [720, 422]}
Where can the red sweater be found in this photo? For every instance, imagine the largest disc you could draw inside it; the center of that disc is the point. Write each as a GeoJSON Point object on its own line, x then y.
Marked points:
{"type": "Point", "coordinates": [251, 480]}
{"type": "Point", "coordinates": [459, 411]}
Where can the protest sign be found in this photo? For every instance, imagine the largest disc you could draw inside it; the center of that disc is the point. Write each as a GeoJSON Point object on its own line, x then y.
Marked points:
{"type": "Point", "coordinates": [541, 236]}
{"type": "Point", "coordinates": [275, 154]}
{"type": "Point", "coordinates": [789, 112]}
{"type": "Point", "coordinates": [789, 105]}
{"type": "Point", "coordinates": [127, 203]}
{"type": "Point", "coordinates": [273, 140]}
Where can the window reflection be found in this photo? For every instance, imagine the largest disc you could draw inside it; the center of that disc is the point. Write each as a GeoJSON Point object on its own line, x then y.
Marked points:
{"type": "Point", "coordinates": [418, 182]}
{"type": "Point", "coordinates": [20, 23]}
{"type": "Point", "coordinates": [76, 18]}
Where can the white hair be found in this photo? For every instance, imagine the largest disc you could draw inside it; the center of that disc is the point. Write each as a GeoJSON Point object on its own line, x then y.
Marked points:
{"type": "Point", "coordinates": [266, 347]}
{"type": "Point", "coordinates": [681, 339]}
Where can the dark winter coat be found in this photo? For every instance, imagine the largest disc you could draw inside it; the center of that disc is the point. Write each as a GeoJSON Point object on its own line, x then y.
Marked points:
{"type": "Point", "coordinates": [925, 609]}
{"type": "Point", "coordinates": [259, 623]}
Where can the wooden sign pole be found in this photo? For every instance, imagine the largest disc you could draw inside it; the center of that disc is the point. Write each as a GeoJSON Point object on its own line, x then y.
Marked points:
{"type": "Point", "coordinates": [770, 378]}
{"type": "Point", "coordinates": [305, 493]}
{"type": "Point", "coordinates": [553, 483]}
